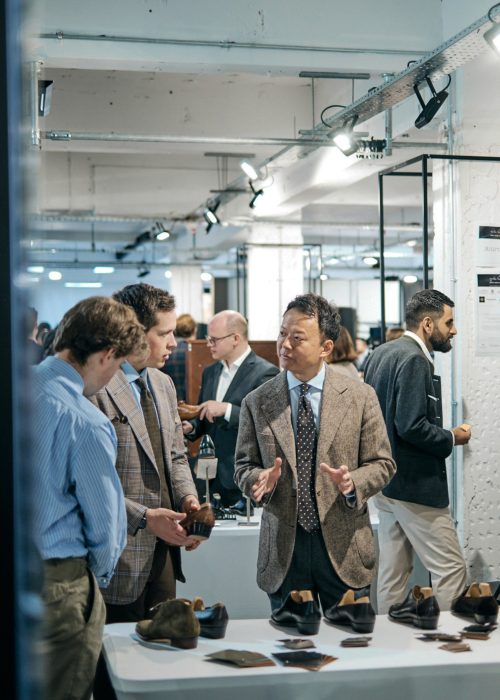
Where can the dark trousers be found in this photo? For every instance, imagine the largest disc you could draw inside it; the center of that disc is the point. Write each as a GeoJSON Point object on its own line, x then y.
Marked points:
{"type": "Point", "coordinates": [160, 587]}
{"type": "Point", "coordinates": [310, 569]}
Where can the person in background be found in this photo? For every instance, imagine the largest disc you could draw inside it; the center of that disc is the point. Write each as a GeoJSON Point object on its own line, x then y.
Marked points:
{"type": "Point", "coordinates": [224, 385]}
{"type": "Point", "coordinates": [414, 514]}
{"type": "Point", "coordinates": [43, 328]}
{"type": "Point", "coordinates": [34, 352]}
{"type": "Point", "coordinates": [394, 333]}
{"type": "Point", "coordinates": [343, 357]}
{"type": "Point", "coordinates": [185, 331]}
{"type": "Point", "coordinates": [79, 511]}
{"type": "Point", "coordinates": [363, 350]}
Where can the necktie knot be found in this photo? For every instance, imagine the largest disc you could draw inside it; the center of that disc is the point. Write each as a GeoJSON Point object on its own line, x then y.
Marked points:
{"type": "Point", "coordinates": [304, 388]}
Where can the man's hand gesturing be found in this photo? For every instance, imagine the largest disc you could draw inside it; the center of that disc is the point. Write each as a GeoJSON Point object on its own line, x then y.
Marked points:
{"type": "Point", "coordinates": [267, 480]}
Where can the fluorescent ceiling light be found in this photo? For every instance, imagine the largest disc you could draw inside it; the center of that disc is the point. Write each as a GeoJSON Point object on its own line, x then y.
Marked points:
{"type": "Point", "coordinates": [103, 270]}
{"type": "Point", "coordinates": [412, 244]}
{"type": "Point", "coordinates": [55, 275]}
{"type": "Point", "coordinates": [37, 269]}
{"type": "Point", "coordinates": [83, 285]}
{"type": "Point", "coordinates": [332, 261]}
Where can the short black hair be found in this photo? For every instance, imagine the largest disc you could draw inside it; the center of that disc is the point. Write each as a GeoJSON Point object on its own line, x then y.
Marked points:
{"type": "Point", "coordinates": [325, 312]}
{"type": "Point", "coordinates": [427, 302]}
{"type": "Point", "coordinates": [146, 301]}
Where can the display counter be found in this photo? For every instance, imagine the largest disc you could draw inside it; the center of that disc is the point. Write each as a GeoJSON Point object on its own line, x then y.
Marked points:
{"type": "Point", "coordinates": [396, 665]}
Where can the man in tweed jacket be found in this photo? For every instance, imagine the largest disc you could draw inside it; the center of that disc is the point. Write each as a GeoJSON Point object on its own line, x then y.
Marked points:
{"type": "Point", "coordinates": [353, 462]}
{"type": "Point", "coordinates": [150, 563]}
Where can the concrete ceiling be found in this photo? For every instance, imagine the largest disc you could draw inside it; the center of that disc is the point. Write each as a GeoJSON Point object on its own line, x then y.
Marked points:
{"type": "Point", "coordinates": [201, 78]}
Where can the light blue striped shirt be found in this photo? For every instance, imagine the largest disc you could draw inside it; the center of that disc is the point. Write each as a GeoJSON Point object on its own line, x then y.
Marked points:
{"type": "Point", "coordinates": [314, 395]}
{"type": "Point", "coordinates": [79, 509]}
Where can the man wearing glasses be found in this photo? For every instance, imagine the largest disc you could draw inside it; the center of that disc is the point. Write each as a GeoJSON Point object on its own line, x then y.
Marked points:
{"type": "Point", "coordinates": [236, 372]}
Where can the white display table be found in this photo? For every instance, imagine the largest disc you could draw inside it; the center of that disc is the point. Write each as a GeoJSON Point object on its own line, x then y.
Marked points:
{"type": "Point", "coordinates": [395, 666]}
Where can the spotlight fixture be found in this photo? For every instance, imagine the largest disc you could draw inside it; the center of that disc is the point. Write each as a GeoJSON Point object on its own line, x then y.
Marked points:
{"type": "Point", "coordinates": [143, 271]}
{"type": "Point", "coordinates": [492, 36]}
{"type": "Point", "coordinates": [55, 275]}
{"type": "Point", "coordinates": [103, 270]}
{"type": "Point", "coordinates": [210, 215]}
{"type": "Point", "coordinates": [429, 110]}
{"type": "Point", "coordinates": [343, 137]}
{"type": "Point", "coordinates": [161, 233]}
{"type": "Point", "coordinates": [256, 194]}
{"type": "Point", "coordinates": [323, 277]}
{"type": "Point", "coordinates": [371, 261]}
{"type": "Point", "coordinates": [45, 88]}
{"type": "Point", "coordinates": [410, 279]}
{"type": "Point", "coordinates": [249, 170]}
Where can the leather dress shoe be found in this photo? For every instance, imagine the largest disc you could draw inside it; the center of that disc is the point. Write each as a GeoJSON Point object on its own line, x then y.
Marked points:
{"type": "Point", "coordinates": [477, 601]}
{"type": "Point", "coordinates": [299, 610]}
{"type": "Point", "coordinates": [187, 411]}
{"type": "Point", "coordinates": [420, 608]}
{"type": "Point", "coordinates": [240, 507]}
{"type": "Point", "coordinates": [213, 620]}
{"type": "Point", "coordinates": [199, 523]}
{"type": "Point", "coordinates": [354, 611]}
{"type": "Point", "coordinates": [174, 623]}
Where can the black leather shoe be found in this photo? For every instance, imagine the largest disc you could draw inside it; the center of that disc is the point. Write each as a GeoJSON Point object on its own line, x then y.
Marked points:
{"type": "Point", "coordinates": [299, 610]}
{"type": "Point", "coordinates": [420, 608]}
{"type": "Point", "coordinates": [240, 507]}
{"type": "Point", "coordinates": [213, 620]}
{"type": "Point", "coordinates": [354, 611]}
{"type": "Point", "coordinates": [477, 601]}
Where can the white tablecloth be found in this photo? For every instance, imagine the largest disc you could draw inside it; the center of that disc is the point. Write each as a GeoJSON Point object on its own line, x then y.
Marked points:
{"type": "Point", "coordinates": [396, 666]}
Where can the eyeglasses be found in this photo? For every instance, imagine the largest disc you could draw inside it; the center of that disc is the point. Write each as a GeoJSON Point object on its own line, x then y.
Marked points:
{"type": "Point", "coordinates": [213, 341]}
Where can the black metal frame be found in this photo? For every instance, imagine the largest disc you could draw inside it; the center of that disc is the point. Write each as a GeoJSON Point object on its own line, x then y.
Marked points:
{"type": "Point", "coordinates": [424, 174]}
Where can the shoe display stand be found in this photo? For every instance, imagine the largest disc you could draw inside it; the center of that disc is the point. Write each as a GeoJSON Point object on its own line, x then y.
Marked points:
{"type": "Point", "coordinates": [396, 665]}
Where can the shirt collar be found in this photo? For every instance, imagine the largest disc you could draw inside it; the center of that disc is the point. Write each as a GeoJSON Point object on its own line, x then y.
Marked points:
{"type": "Point", "coordinates": [423, 347]}
{"type": "Point", "coordinates": [70, 374]}
{"type": "Point", "coordinates": [316, 382]}
{"type": "Point", "coordinates": [132, 374]}
{"type": "Point", "coordinates": [239, 361]}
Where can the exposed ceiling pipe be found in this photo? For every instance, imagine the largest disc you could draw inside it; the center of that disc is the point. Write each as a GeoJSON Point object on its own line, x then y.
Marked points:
{"type": "Point", "coordinates": [70, 36]}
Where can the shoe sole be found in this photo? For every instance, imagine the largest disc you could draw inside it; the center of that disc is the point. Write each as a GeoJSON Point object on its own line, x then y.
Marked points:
{"type": "Point", "coordinates": [362, 627]}
{"type": "Point", "coordinates": [430, 623]}
{"type": "Point", "coordinates": [485, 619]}
{"type": "Point", "coordinates": [307, 628]}
{"type": "Point", "coordinates": [185, 642]}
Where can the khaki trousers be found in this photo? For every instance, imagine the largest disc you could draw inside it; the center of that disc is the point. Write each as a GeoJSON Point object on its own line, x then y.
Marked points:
{"type": "Point", "coordinates": [405, 528]}
{"type": "Point", "coordinates": [74, 622]}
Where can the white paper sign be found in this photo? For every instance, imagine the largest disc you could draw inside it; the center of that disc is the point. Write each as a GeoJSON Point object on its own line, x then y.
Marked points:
{"type": "Point", "coordinates": [488, 246]}
{"type": "Point", "coordinates": [206, 468]}
{"type": "Point", "coordinates": [488, 313]}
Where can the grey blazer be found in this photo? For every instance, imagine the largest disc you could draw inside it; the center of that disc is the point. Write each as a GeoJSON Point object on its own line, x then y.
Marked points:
{"type": "Point", "coordinates": [351, 432]}
{"type": "Point", "coordinates": [410, 397]}
{"type": "Point", "coordinates": [139, 475]}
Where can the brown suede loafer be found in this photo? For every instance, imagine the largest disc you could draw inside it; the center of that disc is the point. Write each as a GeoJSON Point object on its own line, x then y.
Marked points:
{"type": "Point", "coordinates": [187, 411]}
{"type": "Point", "coordinates": [199, 523]}
{"type": "Point", "coordinates": [174, 623]}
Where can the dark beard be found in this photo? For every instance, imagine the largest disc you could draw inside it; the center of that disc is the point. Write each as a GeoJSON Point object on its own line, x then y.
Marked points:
{"type": "Point", "coordinates": [439, 343]}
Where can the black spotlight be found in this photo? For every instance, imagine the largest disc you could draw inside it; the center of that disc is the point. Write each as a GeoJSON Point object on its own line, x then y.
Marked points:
{"type": "Point", "coordinates": [210, 216]}
{"type": "Point", "coordinates": [45, 88]}
{"type": "Point", "coordinates": [429, 110]}
{"type": "Point", "coordinates": [256, 195]}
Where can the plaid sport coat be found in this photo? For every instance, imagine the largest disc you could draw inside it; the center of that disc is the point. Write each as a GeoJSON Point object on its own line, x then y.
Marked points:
{"type": "Point", "coordinates": [139, 474]}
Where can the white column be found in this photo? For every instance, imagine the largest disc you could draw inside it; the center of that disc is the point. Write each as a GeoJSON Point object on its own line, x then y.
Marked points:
{"type": "Point", "coordinates": [187, 288]}
{"type": "Point", "coordinates": [275, 276]}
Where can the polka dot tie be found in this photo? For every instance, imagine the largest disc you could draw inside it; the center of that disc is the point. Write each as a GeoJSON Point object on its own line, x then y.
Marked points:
{"type": "Point", "coordinates": [305, 445]}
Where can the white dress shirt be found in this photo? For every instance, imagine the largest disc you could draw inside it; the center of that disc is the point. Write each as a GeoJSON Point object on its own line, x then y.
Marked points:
{"type": "Point", "coordinates": [227, 376]}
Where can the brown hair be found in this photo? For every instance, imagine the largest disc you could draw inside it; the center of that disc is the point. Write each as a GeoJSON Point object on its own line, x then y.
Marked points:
{"type": "Point", "coordinates": [146, 301]}
{"type": "Point", "coordinates": [186, 326]}
{"type": "Point", "coordinates": [394, 333]}
{"type": "Point", "coordinates": [343, 349]}
{"type": "Point", "coordinates": [99, 323]}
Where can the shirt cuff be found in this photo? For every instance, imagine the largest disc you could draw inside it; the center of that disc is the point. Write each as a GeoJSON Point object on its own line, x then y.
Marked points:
{"type": "Point", "coordinates": [227, 414]}
{"type": "Point", "coordinates": [453, 437]}
{"type": "Point", "coordinates": [351, 499]}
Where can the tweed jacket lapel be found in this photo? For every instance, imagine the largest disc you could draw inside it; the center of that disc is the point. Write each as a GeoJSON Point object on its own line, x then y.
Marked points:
{"type": "Point", "coordinates": [277, 411]}
{"type": "Point", "coordinates": [120, 391]}
{"type": "Point", "coordinates": [165, 418]}
{"type": "Point", "coordinates": [334, 405]}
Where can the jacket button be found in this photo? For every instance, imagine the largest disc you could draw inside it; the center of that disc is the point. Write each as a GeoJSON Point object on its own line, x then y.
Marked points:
{"type": "Point", "coordinates": [318, 493]}
{"type": "Point", "coordinates": [123, 419]}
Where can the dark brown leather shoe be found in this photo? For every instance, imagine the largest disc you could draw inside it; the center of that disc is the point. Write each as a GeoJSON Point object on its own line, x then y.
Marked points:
{"type": "Point", "coordinates": [174, 623]}
{"type": "Point", "coordinates": [188, 411]}
{"type": "Point", "coordinates": [199, 523]}
{"type": "Point", "coordinates": [357, 612]}
{"type": "Point", "coordinates": [477, 601]}
{"type": "Point", "coordinates": [420, 608]}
